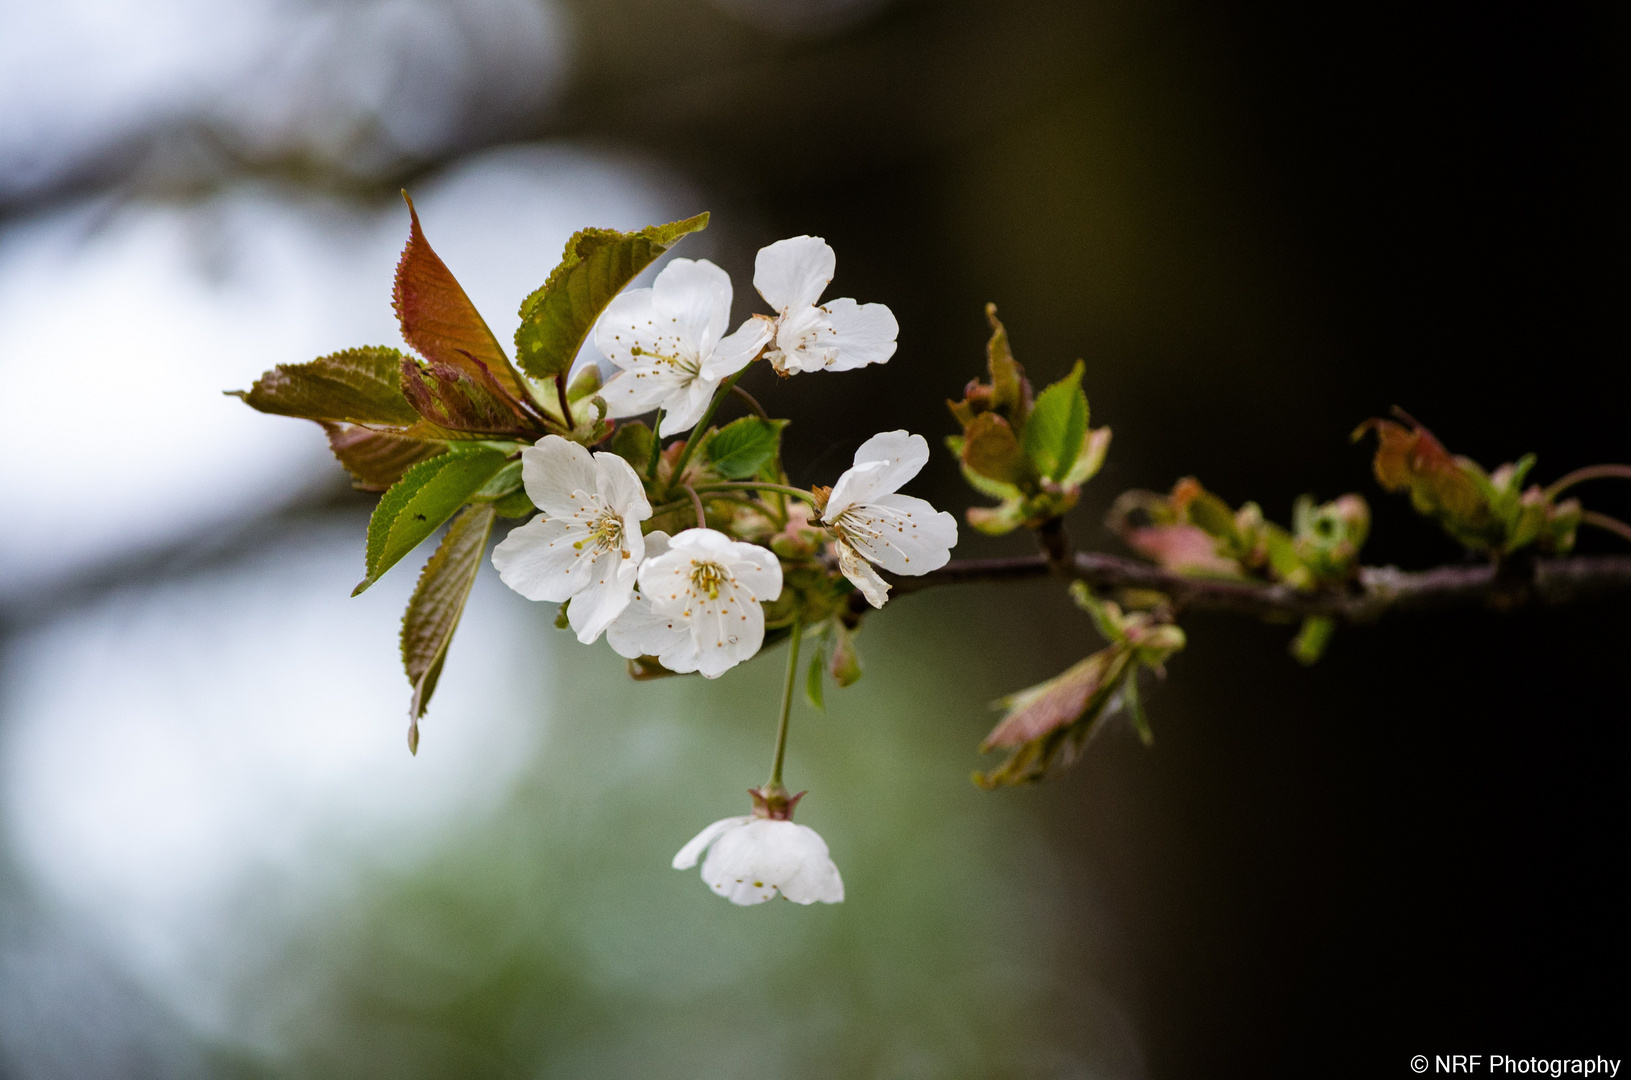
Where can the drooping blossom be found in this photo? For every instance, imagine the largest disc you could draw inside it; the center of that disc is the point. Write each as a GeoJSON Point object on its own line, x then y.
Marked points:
{"type": "Point", "coordinates": [872, 524]}
{"type": "Point", "coordinates": [836, 336]}
{"type": "Point", "coordinates": [698, 608]}
{"type": "Point", "coordinates": [585, 544]}
{"type": "Point", "coordinates": [754, 857]}
{"type": "Point", "coordinates": [670, 343]}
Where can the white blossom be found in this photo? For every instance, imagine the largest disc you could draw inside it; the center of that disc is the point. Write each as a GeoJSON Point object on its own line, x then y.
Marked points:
{"type": "Point", "coordinates": [836, 336]}
{"type": "Point", "coordinates": [871, 524]}
{"type": "Point", "coordinates": [698, 608]}
{"type": "Point", "coordinates": [751, 859]}
{"type": "Point", "coordinates": [585, 545]}
{"type": "Point", "coordinates": [670, 342]}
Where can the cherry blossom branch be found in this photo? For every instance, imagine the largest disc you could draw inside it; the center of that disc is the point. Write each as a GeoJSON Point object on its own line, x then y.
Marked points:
{"type": "Point", "coordinates": [1379, 589]}
{"type": "Point", "coordinates": [754, 485]}
{"type": "Point", "coordinates": [752, 402]}
{"type": "Point", "coordinates": [1606, 523]}
{"type": "Point", "coordinates": [1590, 472]}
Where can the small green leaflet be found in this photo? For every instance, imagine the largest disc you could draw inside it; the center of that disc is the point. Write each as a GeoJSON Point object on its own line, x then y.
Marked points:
{"type": "Point", "coordinates": [357, 386]}
{"type": "Point", "coordinates": [598, 263]}
{"type": "Point", "coordinates": [417, 505]}
{"type": "Point", "coordinates": [1057, 427]}
{"type": "Point", "coordinates": [438, 602]}
{"type": "Point", "coordinates": [739, 449]}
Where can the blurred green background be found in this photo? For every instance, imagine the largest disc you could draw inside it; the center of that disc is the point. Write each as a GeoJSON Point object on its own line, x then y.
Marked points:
{"type": "Point", "coordinates": [1257, 224]}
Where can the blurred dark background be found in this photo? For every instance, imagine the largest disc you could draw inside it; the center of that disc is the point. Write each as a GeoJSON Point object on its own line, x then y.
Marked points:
{"type": "Point", "coordinates": [1258, 225]}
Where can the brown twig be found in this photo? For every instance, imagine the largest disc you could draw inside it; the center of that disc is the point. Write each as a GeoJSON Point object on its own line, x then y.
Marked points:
{"type": "Point", "coordinates": [1379, 589]}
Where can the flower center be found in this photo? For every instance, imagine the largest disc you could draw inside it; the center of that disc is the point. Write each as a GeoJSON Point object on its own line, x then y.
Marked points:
{"type": "Point", "coordinates": [607, 533]}
{"type": "Point", "coordinates": [708, 578]}
{"type": "Point", "coordinates": [679, 363]}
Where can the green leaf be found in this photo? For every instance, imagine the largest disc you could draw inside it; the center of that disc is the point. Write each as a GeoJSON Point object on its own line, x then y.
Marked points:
{"type": "Point", "coordinates": [813, 681]}
{"type": "Point", "coordinates": [1057, 428]}
{"type": "Point", "coordinates": [426, 496]}
{"type": "Point", "coordinates": [740, 448]}
{"type": "Point", "coordinates": [438, 601]}
{"type": "Point", "coordinates": [1090, 460]}
{"type": "Point", "coordinates": [586, 384]}
{"type": "Point", "coordinates": [377, 459]}
{"type": "Point", "coordinates": [597, 265]}
{"type": "Point", "coordinates": [357, 386]}
{"type": "Point", "coordinates": [633, 442]}
{"type": "Point", "coordinates": [1309, 644]}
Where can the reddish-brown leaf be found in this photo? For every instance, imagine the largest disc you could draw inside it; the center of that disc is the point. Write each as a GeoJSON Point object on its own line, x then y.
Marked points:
{"type": "Point", "coordinates": [437, 317]}
{"type": "Point", "coordinates": [1062, 700]}
{"type": "Point", "coordinates": [467, 398]}
{"type": "Point", "coordinates": [377, 459]}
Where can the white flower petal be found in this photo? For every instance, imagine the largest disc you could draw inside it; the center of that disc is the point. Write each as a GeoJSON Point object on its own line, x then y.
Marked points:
{"type": "Point", "coordinates": [861, 574]}
{"type": "Point", "coordinates": [689, 854]}
{"type": "Point", "coordinates": [605, 598]}
{"type": "Point", "coordinates": [737, 350]}
{"type": "Point", "coordinates": [863, 333]}
{"type": "Point", "coordinates": [692, 301]}
{"type": "Point", "coordinates": [883, 464]}
{"type": "Point", "coordinates": [793, 273]}
{"type": "Point", "coordinates": [619, 487]}
{"type": "Point", "coordinates": [553, 471]}
{"type": "Point", "coordinates": [817, 877]}
{"type": "Point", "coordinates": [642, 387]}
{"type": "Point", "coordinates": [656, 542]}
{"type": "Point", "coordinates": [538, 559]}
{"type": "Point", "coordinates": [902, 534]}
{"type": "Point", "coordinates": [627, 331]}
{"type": "Point", "coordinates": [685, 406]}
{"type": "Point", "coordinates": [750, 864]}
{"type": "Point", "coordinates": [727, 630]}
{"type": "Point", "coordinates": [757, 570]}
{"type": "Point", "coordinates": [640, 631]}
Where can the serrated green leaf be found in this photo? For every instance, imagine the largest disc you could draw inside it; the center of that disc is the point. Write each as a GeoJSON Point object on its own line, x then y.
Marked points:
{"type": "Point", "coordinates": [1057, 428]}
{"type": "Point", "coordinates": [437, 603]}
{"type": "Point", "coordinates": [742, 447]}
{"type": "Point", "coordinates": [1090, 460]}
{"type": "Point", "coordinates": [597, 265]}
{"type": "Point", "coordinates": [357, 386]}
{"type": "Point", "coordinates": [417, 505]}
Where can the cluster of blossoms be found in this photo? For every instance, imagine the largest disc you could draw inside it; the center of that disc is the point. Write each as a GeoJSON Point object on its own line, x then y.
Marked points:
{"type": "Point", "coordinates": [695, 601]}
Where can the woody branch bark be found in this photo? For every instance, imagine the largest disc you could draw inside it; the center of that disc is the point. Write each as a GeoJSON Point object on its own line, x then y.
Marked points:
{"type": "Point", "coordinates": [1378, 590]}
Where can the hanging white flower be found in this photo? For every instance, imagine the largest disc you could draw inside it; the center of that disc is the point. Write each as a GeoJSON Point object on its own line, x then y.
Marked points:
{"type": "Point", "coordinates": [698, 608]}
{"type": "Point", "coordinates": [752, 858]}
{"type": "Point", "coordinates": [585, 545]}
{"type": "Point", "coordinates": [670, 342]}
{"type": "Point", "coordinates": [871, 524]}
{"type": "Point", "coordinates": [836, 336]}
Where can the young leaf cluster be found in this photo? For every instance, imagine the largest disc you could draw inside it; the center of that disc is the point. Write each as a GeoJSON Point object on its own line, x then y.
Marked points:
{"type": "Point", "coordinates": [1032, 452]}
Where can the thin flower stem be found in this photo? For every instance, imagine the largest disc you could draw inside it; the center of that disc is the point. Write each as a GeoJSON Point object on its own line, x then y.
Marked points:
{"type": "Point", "coordinates": [1609, 524]}
{"type": "Point", "coordinates": [726, 485]}
{"type": "Point", "coordinates": [701, 426]}
{"type": "Point", "coordinates": [696, 501]}
{"type": "Point", "coordinates": [1590, 472]}
{"type": "Point", "coordinates": [566, 409]}
{"type": "Point", "coordinates": [752, 402]}
{"type": "Point", "coordinates": [787, 707]}
{"type": "Point", "coordinates": [656, 446]}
